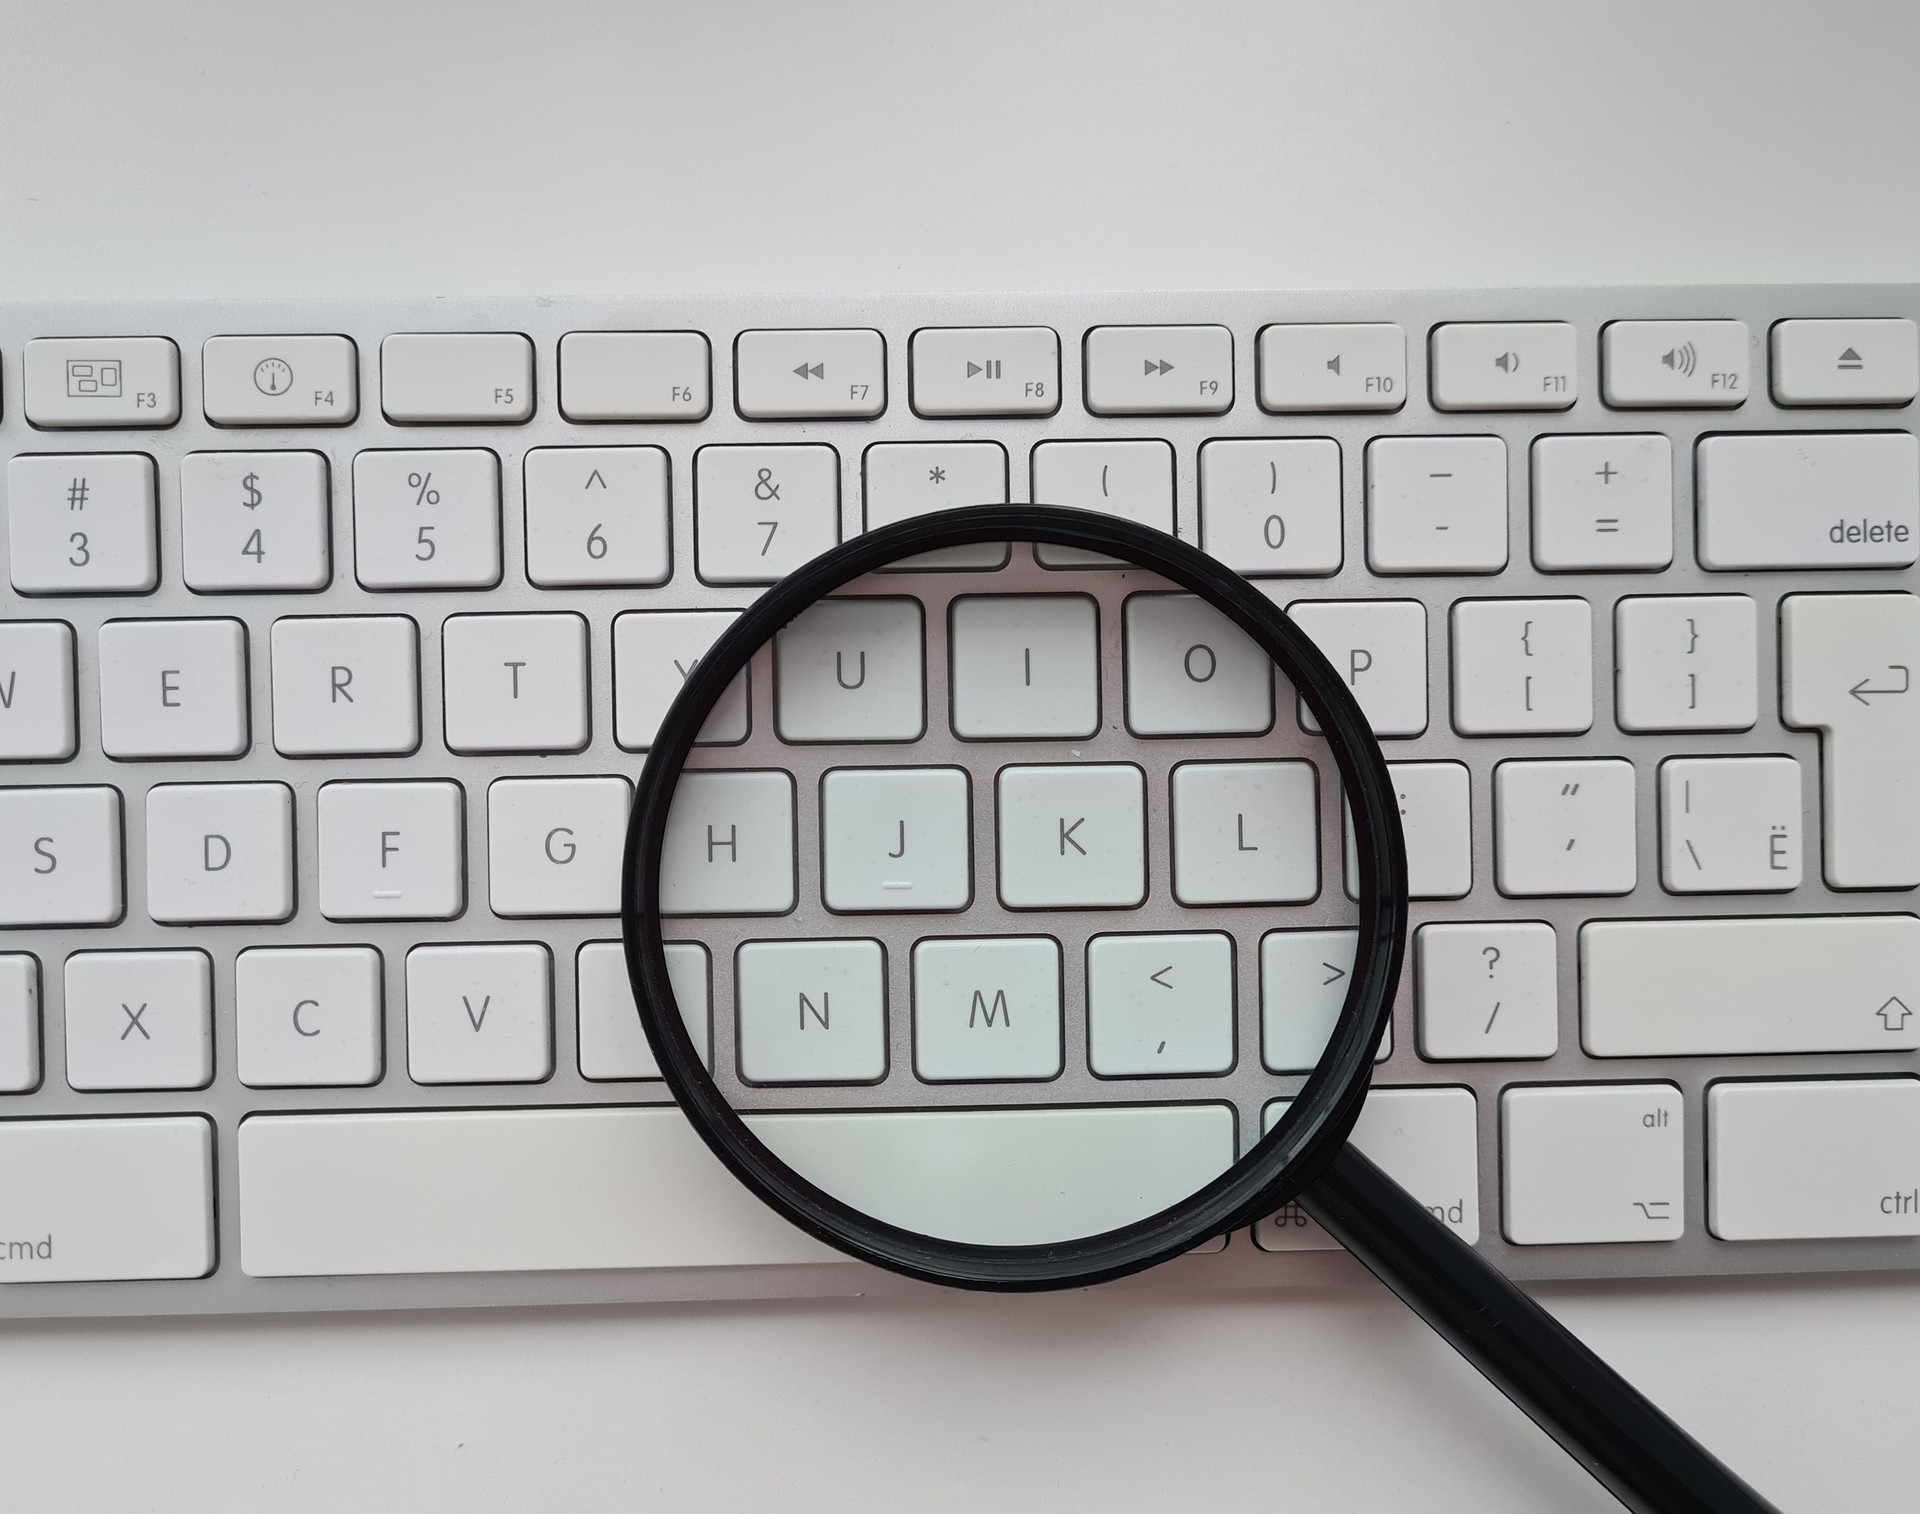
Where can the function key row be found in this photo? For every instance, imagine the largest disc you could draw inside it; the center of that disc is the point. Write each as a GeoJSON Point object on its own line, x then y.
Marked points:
{"type": "Point", "coordinates": [487, 378]}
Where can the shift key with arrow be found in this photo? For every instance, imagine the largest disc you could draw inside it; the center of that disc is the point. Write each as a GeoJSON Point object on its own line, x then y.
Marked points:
{"type": "Point", "coordinates": [1845, 671]}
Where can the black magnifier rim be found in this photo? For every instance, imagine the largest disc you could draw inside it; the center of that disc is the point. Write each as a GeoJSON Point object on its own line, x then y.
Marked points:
{"type": "Point", "coordinates": [1321, 1115]}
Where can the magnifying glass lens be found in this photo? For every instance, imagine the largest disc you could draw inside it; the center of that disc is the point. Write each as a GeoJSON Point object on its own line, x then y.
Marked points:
{"type": "Point", "coordinates": [1008, 904]}
{"type": "Point", "coordinates": [1022, 912]}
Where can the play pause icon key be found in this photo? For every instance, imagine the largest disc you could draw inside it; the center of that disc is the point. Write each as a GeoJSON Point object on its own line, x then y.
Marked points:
{"type": "Point", "coordinates": [986, 370]}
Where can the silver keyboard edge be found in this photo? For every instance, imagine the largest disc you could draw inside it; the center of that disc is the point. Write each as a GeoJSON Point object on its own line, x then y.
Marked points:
{"type": "Point", "coordinates": [190, 322]}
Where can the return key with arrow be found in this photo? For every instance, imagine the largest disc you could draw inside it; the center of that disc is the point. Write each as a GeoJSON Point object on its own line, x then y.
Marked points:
{"type": "Point", "coordinates": [1846, 665]}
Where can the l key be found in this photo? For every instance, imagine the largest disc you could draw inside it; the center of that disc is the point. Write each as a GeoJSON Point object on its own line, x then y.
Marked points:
{"type": "Point", "coordinates": [1846, 670]}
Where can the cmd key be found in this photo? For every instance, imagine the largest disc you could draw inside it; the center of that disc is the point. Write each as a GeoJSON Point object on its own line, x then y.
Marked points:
{"type": "Point", "coordinates": [90, 1200]}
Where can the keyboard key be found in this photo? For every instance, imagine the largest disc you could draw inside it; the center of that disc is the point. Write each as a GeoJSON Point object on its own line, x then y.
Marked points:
{"type": "Point", "coordinates": [1425, 1139]}
{"type": "Point", "coordinates": [1564, 827]}
{"type": "Point", "coordinates": [19, 1023]}
{"type": "Point", "coordinates": [895, 839]}
{"type": "Point", "coordinates": [851, 669]}
{"type": "Point", "coordinates": [439, 377]}
{"type": "Point", "coordinates": [1595, 1164]}
{"type": "Point", "coordinates": [480, 1014]}
{"type": "Point", "coordinates": [1025, 666]}
{"type": "Point", "coordinates": [36, 691]}
{"type": "Point", "coordinates": [1304, 979]}
{"type": "Point", "coordinates": [139, 1020]}
{"type": "Point", "coordinates": [1380, 646]}
{"type": "Point", "coordinates": [219, 851]}
{"type": "Point", "coordinates": [102, 382]}
{"type": "Point", "coordinates": [1845, 662]}
{"type": "Point", "coordinates": [1159, 370]}
{"type": "Point", "coordinates": [635, 376]}
{"type": "Point", "coordinates": [1729, 824]}
{"type": "Point", "coordinates": [254, 521]}
{"type": "Point", "coordinates": [308, 1016]}
{"type": "Point", "coordinates": [729, 845]}
{"type": "Point", "coordinates": [1437, 504]}
{"type": "Point", "coordinates": [1329, 368]}
{"type": "Point", "coordinates": [1520, 365]}
{"type": "Point", "coordinates": [1813, 1160]}
{"type": "Point", "coordinates": [597, 515]}
{"type": "Point", "coordinates": [613, 1047]}
{"type": "Point", "coordinates": [1858, 362]}
{"type": "Point", "coordinates": [986, 1010]}
{"type": "Point", "coordinates": [82, 523]}
{"type": "Point", "coordinates": [60, 856]}
{"type": "Point", "coordinates": [986, 370]}
{"type": "Point", "coordinates": [1272, 506]}
{"type": "Point", "coordinates": [406, 1192]}
{"type": "Point", "coordinates": [173, 688]}
{"type": "Point", "coordinates": [426, 520]}
{"type": "Point", "coordinates": [654, 653]}
{"type": "Point", "coordinates": [346, 685]}
{"type": "Point", "coordinates": [107, 1199]}
{"type": "Point", "coordinates": [907, 479]}
{"type": "Point", "coordinates": [761, 512]}
{"type": "Point", "coordinates": [515, 683]}
{"type": "Point", "coordinates": [280, 380]}
{"type": "Point", "coordinates": [799, 375]}
{"type": "Point", "coordinates": [1072, 836]}
{"type": "Point", "coordinates": [1159, 1006]}
{"type": "Point", "coordinates": [1809, 500]}
{"type": "Point", "coordinates": [1191, 671]}
{"type": "Point", "coordinates": [554, 845]}
{"type": "Point", "coordinates": [1785, 983]}
{"type": "Point", "coordinates": [1602, 502]}
{"type": "Point", "coordinates": [1522, 666]}
{"type": "Point", "coordinates": [1488, 991]}
{"type": "Point", "coordinates": [1687, 663]}
{"type": "Point", "coordinates": [1436, 820]}
{"type": "Point", "coordinates": [812, 1011]}
{"type": "Point", "coordinates": [392, 851]}
{"type": "Point", "coordinates": [1133, 480]}
{"type": "Point", "coordinates": [1245, 832]}
{"type": "Point", "coordinates": [1671, 364]}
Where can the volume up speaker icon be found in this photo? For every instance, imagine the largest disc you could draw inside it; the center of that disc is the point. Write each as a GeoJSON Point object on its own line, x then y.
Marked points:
{"type": "Point", "coordinates": [1680, 359]}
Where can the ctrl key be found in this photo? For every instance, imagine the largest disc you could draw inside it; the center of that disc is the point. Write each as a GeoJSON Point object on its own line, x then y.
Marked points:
{"type": "Point", "coordinates": [93, 1200]}
{"type": "Point", "coordinates": [1804, 1160]}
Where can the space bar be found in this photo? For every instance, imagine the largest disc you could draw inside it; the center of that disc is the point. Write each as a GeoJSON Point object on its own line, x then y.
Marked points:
{"type": "Point", "coordinates": [495, 1190]}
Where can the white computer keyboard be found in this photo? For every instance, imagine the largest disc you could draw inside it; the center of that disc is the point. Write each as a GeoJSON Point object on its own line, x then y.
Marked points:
{"type": "Point", "coordinates": [329, 654]}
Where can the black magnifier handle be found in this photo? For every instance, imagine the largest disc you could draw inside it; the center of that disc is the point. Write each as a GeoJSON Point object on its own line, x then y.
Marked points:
{"type": "Point", "coordinates": [1600, 1419]}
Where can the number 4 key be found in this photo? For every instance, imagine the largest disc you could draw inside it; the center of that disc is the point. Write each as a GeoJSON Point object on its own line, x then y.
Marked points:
{"type": "Point", "coordinates": [254, 521]}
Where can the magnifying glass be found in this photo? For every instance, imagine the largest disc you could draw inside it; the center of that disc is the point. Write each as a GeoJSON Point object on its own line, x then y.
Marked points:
{"type": "Point", "coordinates": [987, 909]}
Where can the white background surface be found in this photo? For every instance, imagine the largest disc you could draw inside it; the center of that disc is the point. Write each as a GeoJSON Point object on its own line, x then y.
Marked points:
{"type": "Point", "coordinates": [257, 148]}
